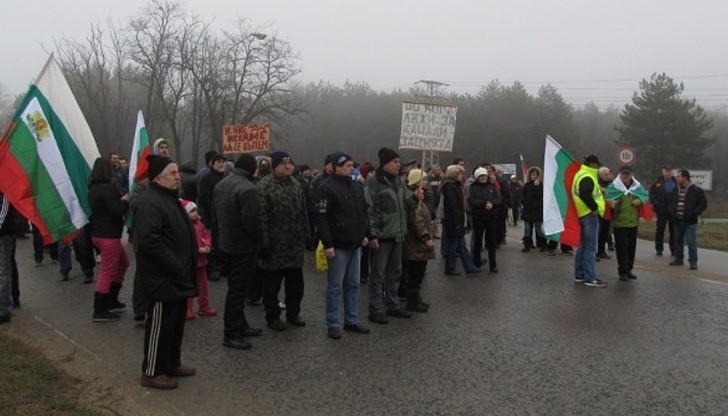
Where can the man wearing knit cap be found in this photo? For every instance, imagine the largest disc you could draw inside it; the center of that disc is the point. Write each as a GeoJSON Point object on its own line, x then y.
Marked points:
{"type": "Point", "coordinates": [166, 259]}
{"type": "Point", "coordinates": [237, 209]}
{"type": "Point", "coordinates": [284, 225]}
{"type": "Point", "coordinates": [341, 219]}
{"type": "Point", "coordinates": [385, 196]}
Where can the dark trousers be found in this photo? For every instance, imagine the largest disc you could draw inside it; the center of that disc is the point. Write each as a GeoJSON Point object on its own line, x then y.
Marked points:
{"type": "Point", "coordinates": [83, 248]}
{"type": "Point", "coordinates": [272, 280]}
{"type": "Point", "coordinates": [416, 270]}
{"type": "Point", "coordinates": [255, 285]}
{"type": "Point", "coordinates": [241, 269]}
{"type": "Point", "coordinates": [364, 269]}
{"type": "Point", "coordinates": [662, 221]}
{"type": "Point", "coordinates": [625, 245]}
{"type": "Point", "coordinates": [15, 277]}
{"type": "Point", "coordinates": [603, 235]}
{"type": "Point", "coordinates": [138, 300]}
{"type": "Point", "coordinates": [163, 333]}
{"type": "Point", "coordinates": [500, 230]}
{"type": "Point", "coordinates": [487, 227]}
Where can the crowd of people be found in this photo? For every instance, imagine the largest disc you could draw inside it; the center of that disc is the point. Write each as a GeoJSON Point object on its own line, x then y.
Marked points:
{"type": "Point", "coordinates": [251, 221]}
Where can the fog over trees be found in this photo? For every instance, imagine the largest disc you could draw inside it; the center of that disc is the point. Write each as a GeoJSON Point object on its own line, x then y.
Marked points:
{"type": "Point", "coordinates": [190, 79]}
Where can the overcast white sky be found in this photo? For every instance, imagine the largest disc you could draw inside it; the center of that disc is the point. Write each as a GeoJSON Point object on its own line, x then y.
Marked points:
{"type": "Point", "coordinates": [606, 45]}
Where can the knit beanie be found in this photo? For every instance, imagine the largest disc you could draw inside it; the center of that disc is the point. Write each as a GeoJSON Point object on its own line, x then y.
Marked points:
{"type": "Point", "coordinates": [189, 206]}
{"type": "Point", "coordinates": [338, 158]}
{"type": "Point", "coordinates": [247, 163]}
{"type": "Point", "coordinates": [156, 165]}
{"type": "Point", "coordinates": [415, 177]}
{"type": "Point", "coordinates": [277, 157]}
{"type": "Point", "coordinates": [365, 168]}
{"type": "Point", "coordinates": [386, 155]}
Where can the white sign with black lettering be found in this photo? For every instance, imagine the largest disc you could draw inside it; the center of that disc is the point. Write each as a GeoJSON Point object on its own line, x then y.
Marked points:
{"type": "Point", "coordinates": [427, 126]}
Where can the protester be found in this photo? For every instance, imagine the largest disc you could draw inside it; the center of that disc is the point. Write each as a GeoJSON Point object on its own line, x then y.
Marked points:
{"type": "Point", "coordinates": [204, 246]}
{"type": "Point", "coordinates": [589, 202]}
{"type": "Point", "coordinates": [284, 225]}
{"type": "Point", "coordinates": [166, 258]}
{"type": "Point", "coordinates": [687, 203]}
{"type": "Point", "coordinates": [8, 221]}
{"type": "Point", "coordinates": [485, 200]}
{"type": "Point", "coordinates": [453, 222]}
{"type": "Point", "coordinates": [108, 208]}
{"type": "Point", "coordinates": [419, 244]}
{"type": "Point", "coordinates": [342, 224]}
{"type": "Point", "coordinates": [237, 210]}
{"type": "Point", "coordinates": [660, 194]}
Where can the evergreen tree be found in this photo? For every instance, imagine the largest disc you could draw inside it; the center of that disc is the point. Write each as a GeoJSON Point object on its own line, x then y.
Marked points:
{"type": "Point", "coordinates": [664, 128]}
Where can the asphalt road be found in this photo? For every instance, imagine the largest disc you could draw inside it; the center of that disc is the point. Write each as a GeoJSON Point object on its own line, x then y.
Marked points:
{"type": "Point", "coordinates": [525, 341]}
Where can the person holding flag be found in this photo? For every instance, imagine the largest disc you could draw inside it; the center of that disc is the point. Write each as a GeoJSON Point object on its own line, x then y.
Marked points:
{"type": "Point", "coordinates": [628, 199]}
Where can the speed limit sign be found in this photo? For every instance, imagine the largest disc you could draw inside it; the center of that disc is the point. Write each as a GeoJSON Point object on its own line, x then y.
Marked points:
{"type": "Point", "coordinates": [627, 155]}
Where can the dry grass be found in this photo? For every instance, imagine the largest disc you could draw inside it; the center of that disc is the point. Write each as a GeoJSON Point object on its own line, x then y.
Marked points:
{"type": "Point", "coordinates": [710, 235]}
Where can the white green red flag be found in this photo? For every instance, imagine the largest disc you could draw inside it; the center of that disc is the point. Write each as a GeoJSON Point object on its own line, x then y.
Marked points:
{"type": "Point", "coordinates": [138, 165]}
{"type": "Point", "coordinates": [560, 221]}
{"type": "Point", "coordinates": [46, 154]}
{"type": "Point", "coordinates": [617, 189]}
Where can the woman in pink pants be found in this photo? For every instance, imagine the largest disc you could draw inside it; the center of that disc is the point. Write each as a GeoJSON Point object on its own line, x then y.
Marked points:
{"type": "Point", "coordinates": [108, 207]}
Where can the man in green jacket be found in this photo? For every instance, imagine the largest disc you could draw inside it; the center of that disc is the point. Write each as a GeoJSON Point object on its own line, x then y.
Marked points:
{"type": "Point", "coordinates": [387, 212]}
{"type": "Point", "coordinates": [626, 195]}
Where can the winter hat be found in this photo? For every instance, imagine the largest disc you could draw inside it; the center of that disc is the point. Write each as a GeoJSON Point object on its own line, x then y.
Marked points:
{"type": "Point", "coordinates": [338, 158]}
{"type": "Point", "coordinates": [626, 169]}
{"type": "Point", "coordinates": [277, 157]}
{"type": "Point", "coordinates": [189, 206]}
{"type": "Point", "coordinates": [386, 155]}
{"type": "Point", "coordinates": [589, 159]}
{"type": "Point", "coordinates": [365, 168]}
{"type": "Point", "coordinates": [247, 163]}
{"type": "Point", "coordinates": [415, 177]}
{"type": "Point", "coordinates": [156, 165]}
{"type": "Point", "coordinates": [480, 172]}
{"type": "Point", "coordinates": [412, 162]}
{"type": "Point", "coordinates": [155, 145]}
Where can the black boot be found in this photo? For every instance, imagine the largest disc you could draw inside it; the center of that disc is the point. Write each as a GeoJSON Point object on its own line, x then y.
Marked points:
{"type": "Point", "coordinates": [413, 301]}
{"type": "Point", "coordinates": [114, 297]}
{"type": "Point", "coordinates": [101, 309]}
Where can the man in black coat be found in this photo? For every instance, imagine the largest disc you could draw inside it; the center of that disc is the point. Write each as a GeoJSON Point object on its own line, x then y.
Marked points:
{"type": "Point", "coordinates": [166, 259]}
{"type": "Point", "coordinates": [660, 194]}
{"type": "Point", "coordinates": [687, 203]}
{"type": "Point", "coordinates": [236, 210]}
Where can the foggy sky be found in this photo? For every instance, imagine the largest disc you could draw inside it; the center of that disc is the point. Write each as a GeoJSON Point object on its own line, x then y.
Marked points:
{"type": "Point", "coordinates": [590, 50]}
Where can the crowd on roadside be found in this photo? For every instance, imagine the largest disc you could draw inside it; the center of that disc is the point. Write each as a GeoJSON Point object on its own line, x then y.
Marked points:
{"type": "Point", "coordinates": [251, 221]}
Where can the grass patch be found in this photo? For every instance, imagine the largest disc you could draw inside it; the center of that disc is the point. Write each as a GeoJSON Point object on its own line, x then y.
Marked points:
{"type": "Point", "coordinates": [710, 235]}
{"type": "Point", "coordinates": [30, 385]}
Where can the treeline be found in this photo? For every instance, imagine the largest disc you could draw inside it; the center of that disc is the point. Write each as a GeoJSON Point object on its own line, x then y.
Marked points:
{"type": "Point", "coordinates": [190, 80]}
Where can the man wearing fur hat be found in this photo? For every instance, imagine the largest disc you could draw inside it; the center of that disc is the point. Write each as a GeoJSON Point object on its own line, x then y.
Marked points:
{"type": "Point", "coordinates": [284, 225]}
{"type": "Point", "coordinates": [166, 258]}
{"type": "Point", "coordinates": [385, 196]}
{"type": "Point", "coordinates": [341, 219]}
{"type": "Point", "coordinates": [237, 209]}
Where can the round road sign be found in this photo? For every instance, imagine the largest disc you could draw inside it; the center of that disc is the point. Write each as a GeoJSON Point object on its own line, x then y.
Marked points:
{"type": "Point", "coordinates": [627, 155]}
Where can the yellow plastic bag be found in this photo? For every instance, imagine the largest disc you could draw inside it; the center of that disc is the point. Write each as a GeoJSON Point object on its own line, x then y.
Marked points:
{"type": "Point", "coordinates": [322, 264]}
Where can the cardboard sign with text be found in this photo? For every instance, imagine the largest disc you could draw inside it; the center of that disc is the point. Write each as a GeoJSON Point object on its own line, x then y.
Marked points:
{"type": "Point", "coordinates": [245, 138]}
{"type": "Point", "coordinates": [427, 126]}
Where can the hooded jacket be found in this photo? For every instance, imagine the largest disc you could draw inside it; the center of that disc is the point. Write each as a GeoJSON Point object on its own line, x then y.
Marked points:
{"type": "Point", "coordinates": [387, 212]}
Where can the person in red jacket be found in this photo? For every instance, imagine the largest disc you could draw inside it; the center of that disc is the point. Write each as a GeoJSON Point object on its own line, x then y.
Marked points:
{"type": "Point", "coordinates": [204, 246]}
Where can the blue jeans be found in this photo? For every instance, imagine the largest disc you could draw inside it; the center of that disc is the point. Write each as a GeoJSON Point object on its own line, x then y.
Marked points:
{"type": "Point", "coordinates": [84, 251]}
{"type": "Point", "coordinates": [457, 245]}
{"type": "Point", "coordinates": [344, 270]}
{"type": "Point", "coordinates": [683, 232]}
{"type": "Point", "coordinates": [586, 254]}
{"type": "Point", "coordinates": [7, 244]}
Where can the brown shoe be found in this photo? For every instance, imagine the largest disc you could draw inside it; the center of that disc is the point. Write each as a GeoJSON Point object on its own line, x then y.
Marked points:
{"type": "Point", "coordinates": [158, 382]}
{"type": "Point", "coordinates": [183, 371]}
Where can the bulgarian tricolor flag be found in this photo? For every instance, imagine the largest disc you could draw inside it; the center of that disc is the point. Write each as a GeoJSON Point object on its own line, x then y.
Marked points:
{"type": "Point", "coordinates": [138, 165]}
{"type": "Point", "coordinates": [560, 221]}
{"type": "Point", "coordinates": [46, 154]}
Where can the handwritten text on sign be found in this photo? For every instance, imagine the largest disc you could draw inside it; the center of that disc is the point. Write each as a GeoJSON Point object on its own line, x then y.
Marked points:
{"type": "Point", "coordinates": [427, 126]}
{"type": "Point", "coordinates": [245, 138]}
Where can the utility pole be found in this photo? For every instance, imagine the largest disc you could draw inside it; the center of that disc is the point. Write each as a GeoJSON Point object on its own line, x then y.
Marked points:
{"type": "Point", "coordinates": [430, 158]}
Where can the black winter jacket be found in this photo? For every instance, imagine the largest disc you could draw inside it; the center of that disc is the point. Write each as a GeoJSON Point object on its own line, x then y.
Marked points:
{"type": "Point", "coordinates": [107, 210]}
{"type": "Point", "coordinates": [9, 217]}
{"type": "Point", "coordinates": [341, 213]}
{"type": "Point", "coordinates": [453, 200]}
{"type": "Point", "coordinates": [205, 190]}
{"type": "Point", "coordinates": [236, 212]}
{"type": "Point", "coordinates": [479, 195]}
{"type": "Point", "coordinates": [695, 204]}
{"type": "Point", "coordinates": [166, 246]}
{"type": "Point", "coordinates": [532, 202]}
{"type": "Point", "coordinates": [659, 198]}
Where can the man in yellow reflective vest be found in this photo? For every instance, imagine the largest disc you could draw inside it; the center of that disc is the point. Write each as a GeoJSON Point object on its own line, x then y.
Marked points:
{"type": "Point", "coordinates": [589, 202]}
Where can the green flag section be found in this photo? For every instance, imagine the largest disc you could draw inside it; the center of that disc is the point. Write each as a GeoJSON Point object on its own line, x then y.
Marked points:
{"type": "Point", "coordinates": [46, 154]}
{"type": "Point", "coordinates": [560, 221]}
{"type": "Point", "coordinates": [617, 189]}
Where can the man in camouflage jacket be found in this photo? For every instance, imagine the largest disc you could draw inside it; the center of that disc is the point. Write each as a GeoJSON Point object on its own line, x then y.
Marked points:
{"type": "Point", "coordinates": [284, 224]}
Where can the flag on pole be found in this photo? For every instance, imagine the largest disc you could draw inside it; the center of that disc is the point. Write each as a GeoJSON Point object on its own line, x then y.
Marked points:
{"type": "Point", "coordinates": [524, 169]}
{"type": "Point", "coordinates": [560, 221]}
{"type": "Point", "coordinates": [138, 165]}
{"type": "Point", "coordinates": [617, 189]}
{"type": "Point", "coordinates": [46, 154]}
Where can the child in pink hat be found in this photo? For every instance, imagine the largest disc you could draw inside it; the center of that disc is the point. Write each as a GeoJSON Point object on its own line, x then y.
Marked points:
{"type": "Point", "coordinates": [204, 244]}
